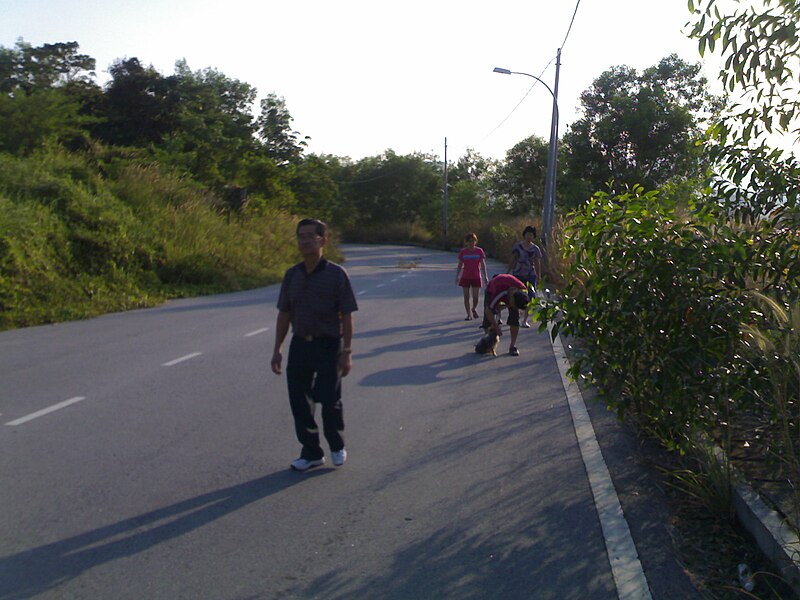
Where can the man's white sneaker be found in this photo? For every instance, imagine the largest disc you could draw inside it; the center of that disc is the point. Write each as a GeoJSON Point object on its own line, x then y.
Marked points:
{"type": "Point", "coordinates": [301, 464]}
{"type": "Point", "coordinates": [339, 457]}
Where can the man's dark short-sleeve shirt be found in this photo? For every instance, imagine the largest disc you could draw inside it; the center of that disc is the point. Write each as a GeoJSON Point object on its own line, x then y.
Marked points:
{"type": "Point", "coordinates": [317, 299]}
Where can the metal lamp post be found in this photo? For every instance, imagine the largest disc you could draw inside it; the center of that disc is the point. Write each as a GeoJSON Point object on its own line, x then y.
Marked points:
{"type": "Point", "coordinates": [548, 212]}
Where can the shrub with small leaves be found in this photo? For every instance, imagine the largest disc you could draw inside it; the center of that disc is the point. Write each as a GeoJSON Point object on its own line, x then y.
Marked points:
{"type": "Point", "coordinates": [657, 298]}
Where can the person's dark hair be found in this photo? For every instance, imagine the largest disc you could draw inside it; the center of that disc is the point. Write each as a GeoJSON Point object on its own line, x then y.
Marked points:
{"type": "Point", "coordinates": [470, 236]}
{"type": "Point", "coordinates": [520, 299]}
{"type": "Point", "coordinates": [320, 228]}
{"type": "Point", "coordinates": [529, 229]}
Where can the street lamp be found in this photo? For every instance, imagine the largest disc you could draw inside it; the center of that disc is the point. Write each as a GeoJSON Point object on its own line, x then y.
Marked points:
{"type": "Point", "coordinates": [548, 212]}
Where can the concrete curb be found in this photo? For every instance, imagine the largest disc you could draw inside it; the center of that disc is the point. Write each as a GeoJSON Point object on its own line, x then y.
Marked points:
{"type": "Point", "coordinates": [779, 542]}
{"type": "Point", "coordinates": [776, 539]}
{"type": "Point", "coordinates": [629, 577]}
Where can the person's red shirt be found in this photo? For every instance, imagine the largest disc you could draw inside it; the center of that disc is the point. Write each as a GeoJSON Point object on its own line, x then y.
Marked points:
{"type": "Point", "coordinates": [471, 259]}
{"type": "Point", "coordinates": [497, 290]}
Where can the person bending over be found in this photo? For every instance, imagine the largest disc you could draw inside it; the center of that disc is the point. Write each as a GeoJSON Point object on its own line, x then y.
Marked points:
{"type": "Point", "coordinates": [504, 291]}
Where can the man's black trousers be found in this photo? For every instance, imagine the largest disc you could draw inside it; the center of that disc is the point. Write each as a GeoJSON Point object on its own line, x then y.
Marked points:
{"type": "Point", "coordinates": [313, 378]}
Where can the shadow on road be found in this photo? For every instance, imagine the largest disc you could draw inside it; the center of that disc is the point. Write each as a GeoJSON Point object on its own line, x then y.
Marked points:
{"type": "Point", "coordinates": [501, 536]}
{"type": "Point", "coordinates": [423, 335]}
{"type": "Point", "coordinates": [422, 374]}
{"type": "Point", "coordinates": [35, 571]}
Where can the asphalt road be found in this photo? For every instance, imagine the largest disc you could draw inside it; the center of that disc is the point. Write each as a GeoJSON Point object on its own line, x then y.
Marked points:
{"type": "Point", "coordinates": [145, 455]}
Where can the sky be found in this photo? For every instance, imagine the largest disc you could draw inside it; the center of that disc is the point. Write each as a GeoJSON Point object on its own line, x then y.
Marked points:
{"type": "Point", "coordinates": [360, 77]}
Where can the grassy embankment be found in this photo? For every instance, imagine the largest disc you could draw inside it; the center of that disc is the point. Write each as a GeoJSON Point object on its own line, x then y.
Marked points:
{"type": "Point", "coordinates": [92, 233]}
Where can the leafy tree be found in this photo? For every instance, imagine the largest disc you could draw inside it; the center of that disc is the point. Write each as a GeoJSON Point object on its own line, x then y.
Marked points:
{"type": "Point", "coordinates": [267, 184]}
{"type": "Point", "coordinates": [572, 190]}
{"type": "Point", "coordinates": [468, 202]}
{"type": "Point", "coordinates": [470, 196]}
{"type": "Point", "coordinates": [761, 51]}
{"type": "Point", "coordinates": [199, 121]}
{"type": "Point", "coordinates": [139, 107]}
{"type": "Point", "coordinates": [520, 178]}
{"type": "Point", "coordinates": [391, 188]}
{"type": "Point", "coordinates": [214, 128]}
{"type": "Point", "coordinates": [27, 68]}
{"type": "Point", "coordinates": [471, 166]}
{"type": "Point", "coordinates": [639, 128]}
{"type": "Point", "coordinates": [281, 142]}
{"type": "Point", "coordinates": [45, 93]}
{"type": "Point", "coordinates": [28, 121]}
{"type": "Point", "coordinates": [313, 181]}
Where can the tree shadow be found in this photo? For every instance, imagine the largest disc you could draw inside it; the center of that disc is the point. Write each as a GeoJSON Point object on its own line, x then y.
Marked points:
{"type": "Point", "coordinates": [32, 572]}
{"type": "Point", "coordinates": [454, 562]}
{"type": "Point", "coordinates": [422, 374]}
{"type": "Point", "coordinates": [418, 337]}
{"type": "Point", "coordinates": [431, 372]}
{"type": "Point", "coordinates": [537, 543]}
{"type": "Point", "coordinates": [400, 329]}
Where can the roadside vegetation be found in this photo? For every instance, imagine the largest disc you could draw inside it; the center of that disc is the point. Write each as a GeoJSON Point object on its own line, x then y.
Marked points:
{"type": "Point", "coordinates": [75, 243]}
{"type": "Point", "coordinates": [152, 186]}
{"type": "Point", "coordinates": [675, 258]}
{"type": "Point", "coordinates": [684, 309]}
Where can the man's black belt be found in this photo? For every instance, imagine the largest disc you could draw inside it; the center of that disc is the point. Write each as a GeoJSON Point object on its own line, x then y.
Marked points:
{"type": "Point", "coordinates": [311, 338]}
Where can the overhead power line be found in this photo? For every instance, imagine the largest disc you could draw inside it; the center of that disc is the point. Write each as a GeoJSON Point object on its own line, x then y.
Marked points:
{"type": "Point", "coordinates": [513, 110]}
{"type": "Point", "coordinates": [570, 24]}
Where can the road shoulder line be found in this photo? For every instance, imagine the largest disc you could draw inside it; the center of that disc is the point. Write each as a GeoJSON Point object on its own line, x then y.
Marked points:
{"type": "Point", "coordinates": [626, 568]}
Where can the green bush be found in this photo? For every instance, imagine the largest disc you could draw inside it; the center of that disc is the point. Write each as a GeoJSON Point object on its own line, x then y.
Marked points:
{"type": "Point", "coordinates": [658, 296]}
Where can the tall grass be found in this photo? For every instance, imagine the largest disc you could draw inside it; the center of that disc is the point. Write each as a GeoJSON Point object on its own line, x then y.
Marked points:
{"type": "Point", "coordinates": [85, 234]}
{"type": "Point", "coordinates": [778, 358]}
{"type": "Point", "coordinates": [392, 232]}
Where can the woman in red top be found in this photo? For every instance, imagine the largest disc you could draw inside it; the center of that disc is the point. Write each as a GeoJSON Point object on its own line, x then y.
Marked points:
{"type": "Point", "coordinates": [471, 265]}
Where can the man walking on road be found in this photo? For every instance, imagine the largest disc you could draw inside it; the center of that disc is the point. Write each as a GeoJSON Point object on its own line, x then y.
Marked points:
{"type": "Point", "coordinates": [316, 298]}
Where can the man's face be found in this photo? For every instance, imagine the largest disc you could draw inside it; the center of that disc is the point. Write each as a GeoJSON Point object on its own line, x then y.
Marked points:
{"type": "Point", "coordinates": [308, 241]}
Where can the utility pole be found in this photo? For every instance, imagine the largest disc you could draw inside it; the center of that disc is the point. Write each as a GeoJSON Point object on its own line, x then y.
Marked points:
{"type": "Point", "coordinates": [550, 184]}
{"type": "Point", "coordinates": [444, 209]}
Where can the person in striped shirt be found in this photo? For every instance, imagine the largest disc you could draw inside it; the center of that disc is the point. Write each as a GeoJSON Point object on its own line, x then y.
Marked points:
{"type": "Point", "coordinates": [317, 300]}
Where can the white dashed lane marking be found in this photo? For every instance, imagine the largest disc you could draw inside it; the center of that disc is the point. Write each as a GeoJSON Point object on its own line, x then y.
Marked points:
{"type": "Point", "coordinates": [170, 363]}
{"type": "Point", "coordinates": [45, 411]}
{"type": "Point", "coordinates": [256, 332]}
{"type": "Point", "coordinates": [181, 359]}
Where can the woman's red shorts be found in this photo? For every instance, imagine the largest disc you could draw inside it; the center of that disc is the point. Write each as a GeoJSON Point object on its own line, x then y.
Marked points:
{"type": "Point", "coordinates": [465, 283]}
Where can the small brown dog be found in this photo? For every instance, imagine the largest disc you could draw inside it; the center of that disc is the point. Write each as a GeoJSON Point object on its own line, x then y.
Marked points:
{"type": "Point", "coordinates": [488, 343]}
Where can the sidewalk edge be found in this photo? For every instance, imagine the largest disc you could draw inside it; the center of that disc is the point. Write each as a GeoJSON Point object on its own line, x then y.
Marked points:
{"type": "Point", "coordinates": [623, 557]}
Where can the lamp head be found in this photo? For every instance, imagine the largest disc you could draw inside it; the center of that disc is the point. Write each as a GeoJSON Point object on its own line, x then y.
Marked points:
{"type": "Point", "coordinates": [502, 70]}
